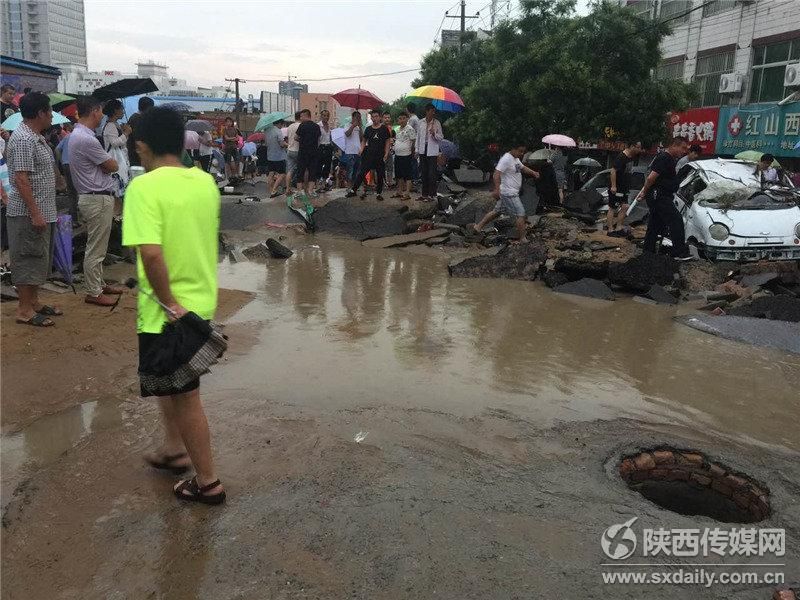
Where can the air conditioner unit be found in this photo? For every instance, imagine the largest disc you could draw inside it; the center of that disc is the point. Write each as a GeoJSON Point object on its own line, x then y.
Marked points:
{"type": "Point", "coordinates": [730, 83]}
{"type": "Point", "coordinates": [791, 77]}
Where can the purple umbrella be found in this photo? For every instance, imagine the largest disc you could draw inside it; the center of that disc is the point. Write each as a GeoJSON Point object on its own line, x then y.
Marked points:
{"type": "Point", "coordinates": [62, 248]}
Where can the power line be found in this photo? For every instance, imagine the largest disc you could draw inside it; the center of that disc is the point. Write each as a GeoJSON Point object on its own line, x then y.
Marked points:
{"type": "Point", "coordinates": [318, 79]}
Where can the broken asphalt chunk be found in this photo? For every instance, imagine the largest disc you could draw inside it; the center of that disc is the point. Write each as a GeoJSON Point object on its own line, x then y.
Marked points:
{"type": "Point", "coordinates": [591, 288]}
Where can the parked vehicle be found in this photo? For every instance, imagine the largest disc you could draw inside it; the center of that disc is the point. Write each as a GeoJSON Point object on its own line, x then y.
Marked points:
{"type": "Point", "coordinates": [729, 215]}
{"type": "Point", "coordinates": [602, 181]}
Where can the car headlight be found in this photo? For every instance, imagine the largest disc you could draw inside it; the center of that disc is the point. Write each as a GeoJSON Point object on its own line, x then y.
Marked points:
{"type": "Point", "coordinates": [797, 230]}
{"type": "Point", "coordinates": [718, 231]}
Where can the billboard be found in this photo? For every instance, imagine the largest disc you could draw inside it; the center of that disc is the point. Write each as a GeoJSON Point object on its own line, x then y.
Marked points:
{"type": "Point", "coordinates": [698, 125]}
{"type": "Point", "coordinates": [763, 127]}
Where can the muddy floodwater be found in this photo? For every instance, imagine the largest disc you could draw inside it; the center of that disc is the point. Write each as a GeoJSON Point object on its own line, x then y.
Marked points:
{"type": "Point", "coordinates": [385, 431]}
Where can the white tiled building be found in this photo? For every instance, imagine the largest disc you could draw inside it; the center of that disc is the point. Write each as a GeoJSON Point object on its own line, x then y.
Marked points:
{"type": "Point", "coordinates": [753, 38]}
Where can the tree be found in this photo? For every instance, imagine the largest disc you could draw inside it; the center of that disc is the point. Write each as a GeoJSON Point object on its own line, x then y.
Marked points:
{"type": "Point", "coordinates": [553, 72]}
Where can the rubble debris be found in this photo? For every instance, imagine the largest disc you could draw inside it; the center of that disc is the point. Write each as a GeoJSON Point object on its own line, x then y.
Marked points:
{"type": "Point", "coordinates": [758, 279]}
{"type": "Point", "coordinates": [359, 220]}
{"type": "Point", "coordinates": [660, 295]}
{"type": "Point", "coordinates": [437, 240]}
{"type": "Point", "coordinates": [553, 279]}
{"type": "Point", "coordinates": [456, 241]}
{"type": "Point", "coordinates": [423, 210]}
{"type": "Point", "coordinates": [576, 269]}
{"type": "Point", "coordinates": [641, 272]}
{"type": "Point", "coordinates": [469, 211]}
{"type": "Point", "coordinates": [758, 332]}
{"type": "Point", "coordinates": [517, 261]}
{"type": "Point", "coordinates": [396, 241]}
{"type": "Point", "coordinates": [591, 288]}
{"type": "Point", "coordinates": [272, 248]}
{"type": "Point", "coordinates": [776, 308]}
{"type": "Point", "coordinates": [449, 227]}
{"type": "Point", "coordinates": [8, 292]}
{"type": "Point", "coordinates": [733, 288]}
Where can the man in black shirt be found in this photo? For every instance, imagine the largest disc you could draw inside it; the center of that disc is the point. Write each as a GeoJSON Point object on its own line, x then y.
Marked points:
{"type": "Point", "coordinates": [375, 148]}
{"type": "Point", "coordinates": [7, 107]}
{"type": "Point", "coordinates": [308, 137]}
{"type": "Point", "coordinates": [664, 217]}
{"type": "Point", "coordinates": [620, 187]}
{"type": "Point", "coordinates": [145, 104]}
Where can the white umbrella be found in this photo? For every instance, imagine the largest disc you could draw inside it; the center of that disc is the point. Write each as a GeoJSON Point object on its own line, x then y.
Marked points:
{"type": "Point", "coordinates": [558, 139]}
{"type": "Point", "coordinates": [338, 137]}
{"type": "Point", "coordinates": [191, 140]}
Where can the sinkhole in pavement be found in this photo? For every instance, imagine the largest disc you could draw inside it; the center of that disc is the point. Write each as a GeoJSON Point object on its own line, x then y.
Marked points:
{"type": "Point", "coordinates": [689, 483]}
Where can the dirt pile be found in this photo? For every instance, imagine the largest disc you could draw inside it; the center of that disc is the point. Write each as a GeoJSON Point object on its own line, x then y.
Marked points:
{"type": "Point", "coordinates": [519, 261]}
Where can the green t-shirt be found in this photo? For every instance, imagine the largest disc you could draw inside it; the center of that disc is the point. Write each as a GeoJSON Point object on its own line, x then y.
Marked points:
{"type": "Point", "coordinates": [178, 209]}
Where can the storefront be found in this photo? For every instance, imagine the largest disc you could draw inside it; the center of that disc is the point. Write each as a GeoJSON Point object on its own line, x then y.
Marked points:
{"type": "Point", "coordinates": [26, 74]}
{"type": "Point", "coordinates": [763, 127]}
{"type": "Point", "coordinates": [698, 125]}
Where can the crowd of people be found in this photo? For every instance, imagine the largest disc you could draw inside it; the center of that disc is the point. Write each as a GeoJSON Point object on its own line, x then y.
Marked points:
{"type": "Point", "coordinates": [301, 157]}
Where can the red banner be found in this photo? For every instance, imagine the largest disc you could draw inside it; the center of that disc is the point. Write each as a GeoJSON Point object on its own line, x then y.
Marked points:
{"type": "Point", "coordinates": [698, 125]}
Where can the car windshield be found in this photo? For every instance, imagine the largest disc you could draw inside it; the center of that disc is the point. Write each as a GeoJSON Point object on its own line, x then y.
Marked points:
{"type": "Point", "coordinates": [735, 197]}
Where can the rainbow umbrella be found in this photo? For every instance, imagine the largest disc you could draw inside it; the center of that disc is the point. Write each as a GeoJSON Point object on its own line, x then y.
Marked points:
{"type": "Point", "coordinates": [441, 97]}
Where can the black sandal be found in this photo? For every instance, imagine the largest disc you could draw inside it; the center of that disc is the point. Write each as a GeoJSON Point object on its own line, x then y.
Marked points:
{"type": "Point", "coordinates": [197, 493]}
{"type": "Point", "coordinates": [49, 311]}
{"type": "Point", "coordinates": [165, 464]}
{"type": "Point", "coordinates": [37, 320]}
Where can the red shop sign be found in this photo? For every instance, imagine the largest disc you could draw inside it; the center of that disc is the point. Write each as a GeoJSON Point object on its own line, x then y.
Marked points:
{"type": "Point", "coordinates": [698, 125]}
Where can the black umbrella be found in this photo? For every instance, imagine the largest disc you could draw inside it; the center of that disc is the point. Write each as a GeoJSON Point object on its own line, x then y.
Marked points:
{"type": "Point", "coordinates": [125, 87]}
{"type": "Point", "coordinates": [188, 348]}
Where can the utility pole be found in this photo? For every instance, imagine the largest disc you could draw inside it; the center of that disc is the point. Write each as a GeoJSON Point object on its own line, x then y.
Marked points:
{"type": "Point", "coordinates": [463, 16]}
{"type": "Point", "coordinates": [237, 108]}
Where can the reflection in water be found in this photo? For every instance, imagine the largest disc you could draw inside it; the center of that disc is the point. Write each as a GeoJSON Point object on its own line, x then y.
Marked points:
{"type": "Point", "coordinates": [369, 327]}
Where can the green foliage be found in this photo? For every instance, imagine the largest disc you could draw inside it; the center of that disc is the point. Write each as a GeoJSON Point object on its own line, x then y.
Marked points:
{"type": "Point", "coordinates": [554, 72]}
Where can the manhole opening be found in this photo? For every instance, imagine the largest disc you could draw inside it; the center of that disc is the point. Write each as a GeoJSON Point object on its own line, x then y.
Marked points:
{"type": "Point", "coordinates": [689, 483]}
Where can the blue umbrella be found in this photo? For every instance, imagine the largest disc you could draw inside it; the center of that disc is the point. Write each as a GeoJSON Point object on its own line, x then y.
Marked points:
{"type": "Point", "coordinates": [249, 149]}
{"type": "Point", "coordinates": [271, 118]}
{"type": "Point", "coordinates": [449, 149]}
{"type": "Point", "coordinates": [62, 248]}
{"type": "Point", "coordinates": [14, 121]}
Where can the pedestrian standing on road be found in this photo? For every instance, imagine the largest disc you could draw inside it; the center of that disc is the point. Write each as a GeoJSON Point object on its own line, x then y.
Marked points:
{"type": "Point", "coordinates": [694, 153]}
{"type": "Point", "coordinates": [62, 156]}
{"type": "Point", "coordinates": [325, 149]}
{"type": "Point", "coordinates": [206, 150]}
{"type": "Point", "coordinates": [659, 189]}
{"type": "Point", "coordinates": [292, 153]}
{"type": "Point", "coordinates": [7, 107]}
{"type": "Point", "coordinates": [350, 160]}
{"type": "Point", "coordinates": [404, 143]}
{"type": "Point", "coordinates": [413, 121]}
{"type": "Point", "coordinates": [115, 141]}
{"type": "Point", "coordinates": [374, 152]}
{"type": "Point", "coordinates": [507, 181]}
{"type": "Point", "coordinates": [145, 104]}
{"type": "Point", "coordinates": [308, 134]}
{"type": "Point", "coordinates": [230, 143]}
{"type": "Point", "coordinates": [91, 168]}
{"type": "Point", "coordinates": [619, 190]}
{"type": "Point", "coordinates": [276, 159]}
{"type": "Point", "coordinates": [387, 120]}
{"type": "Point", "coordinates": [31, 209]}
{"type": "Point", "coordinates": [429, 134]}
{"type": "Point", "coordinates": [171, 216]}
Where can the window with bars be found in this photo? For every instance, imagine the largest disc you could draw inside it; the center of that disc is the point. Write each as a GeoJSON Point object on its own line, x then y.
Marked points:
{"type": "Point", "coordinates": [717, 6]}
{"type": "Point", "coordinates": [707, 75]}
{"type": "Point", "coordinates": [676, 11]}
{"type": "Point", "coordinates": [670, 70]}
{"type": "Point", "coordinates": [769, 68]}
{"type": "Point", "coordinates": [641, 8]}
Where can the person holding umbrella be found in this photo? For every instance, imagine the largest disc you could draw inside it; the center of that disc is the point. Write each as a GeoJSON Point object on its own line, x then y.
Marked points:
{"type": "Point", "coordinates": [171, 216]}
{"type": "Point", "coordinates": [374, 153]}
{"type": "Point", "coordinates": [429, 134]}
{"type": "Point", "coordinates": [115, 140]}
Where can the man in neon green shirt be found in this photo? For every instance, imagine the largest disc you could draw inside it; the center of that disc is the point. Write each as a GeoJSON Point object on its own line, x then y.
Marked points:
{"type": "Point", "coordinates": [171, 215]}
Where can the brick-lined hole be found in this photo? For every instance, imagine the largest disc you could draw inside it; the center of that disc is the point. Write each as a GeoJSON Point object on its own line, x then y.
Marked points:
{"type": "Point", "coordinates": [688, 483]}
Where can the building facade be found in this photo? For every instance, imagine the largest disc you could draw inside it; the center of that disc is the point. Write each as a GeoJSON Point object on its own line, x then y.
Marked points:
{"type": "Point", "coordinates": [292, 88]}
{"type": "Point", "coordinates": [736, 54]}
{"type": "Point", "coordinates": [316, 103]}
{"type": "Point", "coordinates": [26, 74]}
{"type": "Point", "coordinates": [52, 32]}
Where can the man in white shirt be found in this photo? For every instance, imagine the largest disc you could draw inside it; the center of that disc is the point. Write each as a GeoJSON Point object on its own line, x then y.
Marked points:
{"type": "Point", "coordinates": [429, 134]}
{"type": "Point", "coordinates": [351, 157]}
{"type": "Point", "coordinates": [507, 183]}
{"type": "Point", "coordinates": [404, 157]}
{"type": "Point", "coordinates": [325, 147]}
{"type": "Point", "coordinates": [292, 152]}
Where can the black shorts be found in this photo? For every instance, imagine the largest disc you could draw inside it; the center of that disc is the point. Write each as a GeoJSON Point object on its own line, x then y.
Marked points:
{"type": "Point", "coordinates": [231, 155]}
{"type": "Point", "coordinates": [306, 161]}
{"type": "Point", "coordinates": [146, 342]}
{"type": "Point", "coordinates": [617, 200]}
{"type": "Point", "coordinates": [276, 166]}
{"type": "Point", "coordinates": [402, 167]}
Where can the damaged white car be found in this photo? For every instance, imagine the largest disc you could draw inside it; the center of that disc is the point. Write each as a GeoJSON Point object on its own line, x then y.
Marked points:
{"type": "Point", "coordinates": [730, 215]}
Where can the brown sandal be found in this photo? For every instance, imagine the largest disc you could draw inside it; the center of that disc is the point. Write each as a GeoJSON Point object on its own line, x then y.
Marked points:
{"type": "Point", "coordinates": [197, 493]}
{"type": "Point", "coordinates": [164, 463]}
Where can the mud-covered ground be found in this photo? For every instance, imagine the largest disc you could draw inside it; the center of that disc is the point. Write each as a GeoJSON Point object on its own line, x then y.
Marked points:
{"type": "Point", "coordinates": [491, 416]}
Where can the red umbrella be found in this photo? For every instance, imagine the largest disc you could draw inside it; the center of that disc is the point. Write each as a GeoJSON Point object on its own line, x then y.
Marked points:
{"type": "Point", "coordinates": [358, 99]}
{"type": "Point", "coordinates": [255, 137]}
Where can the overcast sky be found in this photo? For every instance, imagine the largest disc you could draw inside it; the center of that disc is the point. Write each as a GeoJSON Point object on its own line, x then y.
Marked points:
{"type": "Point", "coordinates": [205, 41]}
